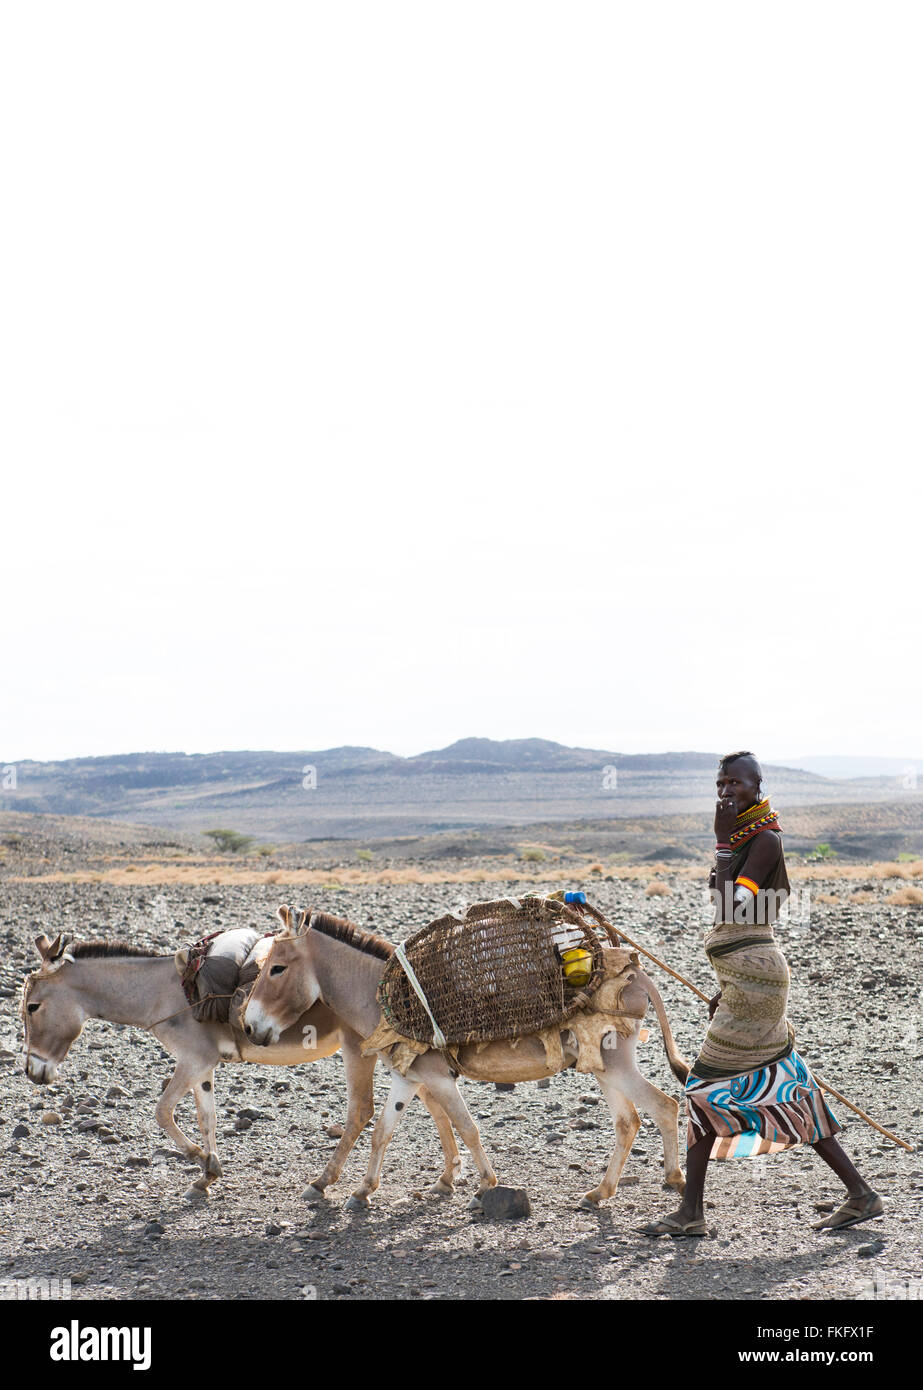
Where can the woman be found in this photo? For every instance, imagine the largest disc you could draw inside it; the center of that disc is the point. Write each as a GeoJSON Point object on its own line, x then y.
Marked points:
{"type": "Point", "coordinates": [749, 1092]}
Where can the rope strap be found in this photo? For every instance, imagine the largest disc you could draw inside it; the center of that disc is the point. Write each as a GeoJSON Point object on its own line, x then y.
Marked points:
{"type": "Point", "coordinates": [438, 1036]}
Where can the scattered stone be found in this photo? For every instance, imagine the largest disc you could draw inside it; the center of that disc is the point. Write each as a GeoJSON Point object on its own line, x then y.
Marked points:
{"type": "Point", "coordinates": [505, 1203]}
{"type": "Point", "coordinates": [20, 1132]}
{"type": "Point", "coordinates": [137, 1161]}
{"type": "Point", "coordinates": [334, 1131]}
{"type": "Point", "coordinates": [242, 1124]}
{"type": "Point", "coordinates": [115, 1093]}
{"type": "Point", "coordinates": [51, 1117]}
{"type": "Point", "coordinates": [80, 1276]}
{"type": "Point", "coordinates": [875, 1247]}
{"type": "Point", "coordinates": [272, 1229]}
{"type": "Point", "coordinates": [631, 1181]}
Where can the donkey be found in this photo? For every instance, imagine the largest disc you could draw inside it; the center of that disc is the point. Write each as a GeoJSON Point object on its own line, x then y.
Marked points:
{"type": "Point", "coordinates": [331, 960]}
{"type": "Point", "coordinates": [125, 984]}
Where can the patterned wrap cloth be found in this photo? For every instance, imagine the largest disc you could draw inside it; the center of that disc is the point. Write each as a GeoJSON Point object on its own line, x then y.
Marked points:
{"type": "Point", "coordinates": [748, 1086]}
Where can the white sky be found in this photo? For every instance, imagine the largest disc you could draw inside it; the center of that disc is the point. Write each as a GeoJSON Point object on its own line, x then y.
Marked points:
{"type": "Point", "coordinates": [390, 373]}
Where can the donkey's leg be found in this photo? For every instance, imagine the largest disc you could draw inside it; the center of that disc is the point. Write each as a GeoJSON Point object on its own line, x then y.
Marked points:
{"type": "Point", "coordinates": [663, 1109]}
{"type": "Point", "coordinates": [444, 1185]}
{"type": "Point", "coordinates": [403, 1090]}
{"type": "Point", "coordinates": [432, 1070]}
{"type": "Point", "coordinates": [205, 1110]}
{"type": "Point", "coordinates": [360, 1107]}
{"type": "Point", "coordinates": [626, 1121]}
{"type": "Point", "coordinates": [180, 1082]}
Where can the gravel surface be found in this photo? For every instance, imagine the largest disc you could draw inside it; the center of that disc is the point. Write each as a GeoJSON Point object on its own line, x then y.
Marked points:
{"type": "Point", "coordinates": [104, 1208]}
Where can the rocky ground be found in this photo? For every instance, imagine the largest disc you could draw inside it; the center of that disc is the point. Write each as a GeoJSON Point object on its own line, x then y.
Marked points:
{"type": "Point", "coordinates": [103, 1207]}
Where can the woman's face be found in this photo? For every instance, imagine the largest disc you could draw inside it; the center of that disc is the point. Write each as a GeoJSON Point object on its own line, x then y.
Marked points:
{"type": "Point", "coordinates": [740, 782]}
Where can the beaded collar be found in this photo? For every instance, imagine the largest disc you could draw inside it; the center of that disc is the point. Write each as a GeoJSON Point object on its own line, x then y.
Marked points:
{"type": "Point", "coordinates": [752, 821]}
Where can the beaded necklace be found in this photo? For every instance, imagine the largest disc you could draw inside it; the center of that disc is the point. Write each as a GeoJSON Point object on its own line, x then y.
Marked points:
{"type": "Point", "coordinates": [752, 821]}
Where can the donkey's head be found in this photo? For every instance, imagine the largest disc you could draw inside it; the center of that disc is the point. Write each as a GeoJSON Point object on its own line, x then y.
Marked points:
{"type": "Point", "coordinates": [52, 1013]}
{"type": "Point", "coordinates": [286, 986]}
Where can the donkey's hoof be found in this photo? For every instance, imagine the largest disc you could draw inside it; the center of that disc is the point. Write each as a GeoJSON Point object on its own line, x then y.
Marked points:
{"type": "Point", "coordinates": [441, 1189]}
{"type": "Point", "coordinates": [357, 1203]}
{"type": "Point", "coordinates": [475, 1204]}
{"type": "Point", "coordinates": [313, 1195]}
{"type": "Point", "coordinates": [198, 1192]}
{"type": "Point", "coordinates": [589, 1202]}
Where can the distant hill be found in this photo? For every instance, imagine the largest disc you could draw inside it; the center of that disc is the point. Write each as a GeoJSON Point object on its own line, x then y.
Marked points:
{"type": "Point", "coordinates": [362, 792]}
{"type": "Point", "coordinates": [826, 765]}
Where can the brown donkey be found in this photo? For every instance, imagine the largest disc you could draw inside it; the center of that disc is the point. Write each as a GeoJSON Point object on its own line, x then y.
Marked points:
{"type": "Point", "coordinates": [328, 959]}
{"type": "Point", "coordinates": [114, 981]}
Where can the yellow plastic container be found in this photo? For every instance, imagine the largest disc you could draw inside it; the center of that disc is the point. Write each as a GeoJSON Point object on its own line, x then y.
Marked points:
{"type": "Point", "coordinates": [578, 966]}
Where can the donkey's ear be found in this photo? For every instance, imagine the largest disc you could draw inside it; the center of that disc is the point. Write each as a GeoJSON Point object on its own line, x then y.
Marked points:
{"type": "Point", "coordinates": [304, 924]}
{"type": "Point", "coordinates": [41, 945]}
{"type": "Point", "coordinates": [57, 947]}
{"type": "Point", "coordinates": [285, 917]}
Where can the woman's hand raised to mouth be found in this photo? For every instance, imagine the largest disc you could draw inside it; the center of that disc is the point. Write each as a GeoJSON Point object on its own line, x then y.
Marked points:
{"type": "Point", "coordinates": [725, 818]}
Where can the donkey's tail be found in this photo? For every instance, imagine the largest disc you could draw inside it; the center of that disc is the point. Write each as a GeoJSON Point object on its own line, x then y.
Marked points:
{"type": "Point", "coordinates": [678, 1064]}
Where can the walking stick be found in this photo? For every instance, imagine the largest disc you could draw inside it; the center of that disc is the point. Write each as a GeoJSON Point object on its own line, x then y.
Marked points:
{"type": "Point", "coordinates": [616, 934]}
{"type": "Point", "coordinates": [868, 1120]}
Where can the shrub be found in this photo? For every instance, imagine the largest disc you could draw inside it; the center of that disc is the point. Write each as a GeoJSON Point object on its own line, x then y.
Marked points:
{"type": "Point", "coordinates": [532, 856]}
{"type": "Point", "coordinates": [906, 897]}
{"type": "Point", "coordinates": [365, 855]}
{"type": "Point", "coordinates": [822, 851]}
{"type": "Point", "coordinates": [658, 889]}
{"type": "Point", "coordinates": [229, 841]}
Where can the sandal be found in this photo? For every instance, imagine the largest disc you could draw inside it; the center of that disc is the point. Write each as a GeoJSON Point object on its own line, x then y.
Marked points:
{"type": "Point", "coordinates": [672, 1226]}
{"type": "Point", "coordinates": [851, 1213]}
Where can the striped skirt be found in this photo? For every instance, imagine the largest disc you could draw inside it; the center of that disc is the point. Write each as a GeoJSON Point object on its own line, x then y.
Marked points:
{"type": "Point", "coordinates": [760, 1112]}
{"type": "Point", "coordinates": [749, 1029]}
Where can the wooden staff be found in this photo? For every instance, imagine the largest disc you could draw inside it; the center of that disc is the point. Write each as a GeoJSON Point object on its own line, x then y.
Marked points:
{"type": "Point", "coordinates": [867, 1118]}
{"type": "Point", "coordinates": [615, 934]}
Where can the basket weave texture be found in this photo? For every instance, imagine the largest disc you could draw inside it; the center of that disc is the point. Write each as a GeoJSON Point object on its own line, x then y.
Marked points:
{"type": "Point", "coordinates": [495, 973]}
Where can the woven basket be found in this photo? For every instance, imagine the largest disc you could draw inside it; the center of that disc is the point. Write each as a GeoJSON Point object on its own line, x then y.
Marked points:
{"type": "Point", "coordinates": [495, 973]}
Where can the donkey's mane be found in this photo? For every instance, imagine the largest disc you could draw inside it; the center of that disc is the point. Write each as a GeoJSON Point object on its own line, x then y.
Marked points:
{"type": "Point", "coordinates": [342, 930]}
{"type": "Point", "coordinates": [81, 950]}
